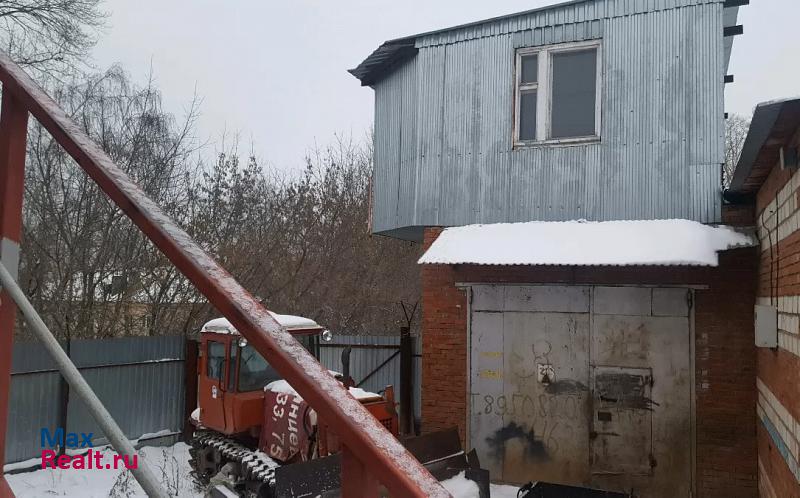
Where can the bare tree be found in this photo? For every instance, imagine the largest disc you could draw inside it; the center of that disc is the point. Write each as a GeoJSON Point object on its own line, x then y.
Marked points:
{"type": "Point", "coordinates": [301, 245]}
{"type": "Point", "coordinates": [87, 269]}
{"type": "Point", "coordinates": [736, 127]}
{"type": "Point", "coordinates": [49, 36]}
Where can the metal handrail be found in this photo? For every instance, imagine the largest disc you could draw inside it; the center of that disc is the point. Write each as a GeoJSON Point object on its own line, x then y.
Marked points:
{"type": "Point", "coordinates": [150, 483]}
{"type": "Point", "coordinates": [370, 451]}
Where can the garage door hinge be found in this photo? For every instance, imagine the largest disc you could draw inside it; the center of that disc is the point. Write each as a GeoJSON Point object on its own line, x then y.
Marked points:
{"type": "Point", "coordinates": [689, 299]}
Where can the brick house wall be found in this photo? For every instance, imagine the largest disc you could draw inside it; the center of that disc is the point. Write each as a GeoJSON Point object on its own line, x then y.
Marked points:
{"type": "Point", "coordinates": [778, 219]}
{"type": "Point", "coordinates": [725, 353]}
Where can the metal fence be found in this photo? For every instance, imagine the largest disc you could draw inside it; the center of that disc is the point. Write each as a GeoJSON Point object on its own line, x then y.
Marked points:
{"type": "Point", "coordinates": [139, 379]}
{"type": "Point", "coordinates": [374, 362]}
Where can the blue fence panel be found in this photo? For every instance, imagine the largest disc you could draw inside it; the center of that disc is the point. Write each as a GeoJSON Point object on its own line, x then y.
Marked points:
{"type": "Point", "coordinates": [141, 380]}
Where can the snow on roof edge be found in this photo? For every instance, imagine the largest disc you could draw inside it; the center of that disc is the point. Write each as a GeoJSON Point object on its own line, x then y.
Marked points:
{"type": "Point", "coordinates": [291, 322]}
{"type": "Point", "coordinates": [673, 242]}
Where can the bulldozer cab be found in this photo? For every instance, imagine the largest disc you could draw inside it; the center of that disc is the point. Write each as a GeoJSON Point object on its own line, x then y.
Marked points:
{"type": "Point", "coordinates": [232, 374]}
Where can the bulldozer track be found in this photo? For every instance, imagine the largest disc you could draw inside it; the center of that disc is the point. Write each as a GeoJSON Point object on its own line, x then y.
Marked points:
{"type": "Point", "coordinates": [254, 465]}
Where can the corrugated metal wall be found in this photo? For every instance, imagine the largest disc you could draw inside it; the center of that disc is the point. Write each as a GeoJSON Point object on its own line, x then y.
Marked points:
{"type": "Point", "coordinates": [139, 379]}
{"type": "Point", "coordinates": [443, 122]}
{"type": "Point", "coordinates": [364, 361]}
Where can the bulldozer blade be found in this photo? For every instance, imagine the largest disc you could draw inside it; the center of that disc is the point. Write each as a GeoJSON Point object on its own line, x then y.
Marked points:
{"type": "Point", "coordinates": [440, 452]}
{"type": "Point", "coordinates": [481, 478]}
{"type": "Point", "coordinates": [447, 467]}
{"type": "Point", "coordinates": [548, 490]}
{"type": "Point", "coordinates": [312, 478]}
{"type": "Point", "coordinates": [434, 446]}
{"type": "Point", "coordinates": [472, 459]}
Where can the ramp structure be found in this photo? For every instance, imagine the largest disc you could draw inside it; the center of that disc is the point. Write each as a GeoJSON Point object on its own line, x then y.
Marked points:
{"type": "Point", "coordinates": [370, 455]}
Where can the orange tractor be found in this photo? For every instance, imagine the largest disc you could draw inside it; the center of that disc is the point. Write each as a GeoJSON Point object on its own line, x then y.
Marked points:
{"type": "Point", "coordinates": [250, 423]}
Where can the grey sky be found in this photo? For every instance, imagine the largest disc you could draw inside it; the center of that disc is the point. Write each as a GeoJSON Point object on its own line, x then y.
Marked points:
{"type": "Point", "coordinates": [275, 72]}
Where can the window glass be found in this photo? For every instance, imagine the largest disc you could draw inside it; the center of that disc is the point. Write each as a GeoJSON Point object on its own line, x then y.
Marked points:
{"type": "Point", "coordinates": [232, 375]}
{"type": "Point", "coordinates": [215, 365]}
{"type": "Point", "coordinates": [255, 372]}
{"type": "Point", "coordinates": [530, 69]}
{"type": "Point", "coordinates": [574, 93]}
{"type": "Point", "coordinates": [527, 115]}
{"type": "Point", "coordinates": [310, 342]}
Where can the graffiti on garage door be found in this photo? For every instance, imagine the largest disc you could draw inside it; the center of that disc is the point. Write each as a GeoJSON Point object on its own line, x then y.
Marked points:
{"type": "Point", "coordinates": [582, 385]}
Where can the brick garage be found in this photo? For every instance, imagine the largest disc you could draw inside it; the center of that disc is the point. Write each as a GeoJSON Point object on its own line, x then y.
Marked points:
{"type": "Point", "coordinates": [725, 356]}
{"type": "Point", "coordinates": [771, 191]}
{"type": "Point", "coordinates": [458, 148]}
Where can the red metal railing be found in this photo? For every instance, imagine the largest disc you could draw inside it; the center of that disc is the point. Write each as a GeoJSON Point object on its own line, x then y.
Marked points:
{"type": "Point", "coordinates": [370, 454]}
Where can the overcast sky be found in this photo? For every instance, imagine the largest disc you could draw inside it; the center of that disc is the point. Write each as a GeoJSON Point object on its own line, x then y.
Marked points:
{"type": "Point", "coordinates": [275, 72]}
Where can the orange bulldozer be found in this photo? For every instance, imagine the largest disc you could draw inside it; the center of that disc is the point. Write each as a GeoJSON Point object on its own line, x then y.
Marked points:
{"type": "Point", "coordinates": [256, 437]}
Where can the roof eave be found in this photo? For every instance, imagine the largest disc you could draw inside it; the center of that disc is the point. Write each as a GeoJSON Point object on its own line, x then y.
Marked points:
{"type": "Point", "coordinates": [372, 69]}
{"type": "Point", "coordinates": [383, 60]}
{"type": "Point", "coordinates": [768, 128]}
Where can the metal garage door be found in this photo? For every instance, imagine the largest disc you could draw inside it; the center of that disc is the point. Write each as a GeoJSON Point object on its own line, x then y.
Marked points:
{"type": "Point", "coordinates": [583, 385]}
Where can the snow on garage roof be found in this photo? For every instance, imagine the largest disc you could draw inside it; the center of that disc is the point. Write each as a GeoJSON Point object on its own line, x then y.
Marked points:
{"type": "Point", "coordinates": [290, 322]}
{"type": "Point", "coordinates": [585, 243]}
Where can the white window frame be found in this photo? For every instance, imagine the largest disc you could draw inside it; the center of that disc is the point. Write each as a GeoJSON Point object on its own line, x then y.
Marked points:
{"type": "Point", "coordinates": [544, 93]}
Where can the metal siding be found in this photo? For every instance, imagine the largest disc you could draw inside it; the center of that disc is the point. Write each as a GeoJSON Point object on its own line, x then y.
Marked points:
{"type": "Point", "coordinates": [395, 143]}
{"type": "Point", "coordinates": [553, 17]}
{"type": "Point", "coordinates": [387, 144]}
{"type": "Point", "coordinates": [430, 108]}
{"type": "Point", "coordinates": [662, 122]}
{"type": "Point", "coordinates": [461, 119]}
{"type": "Point", "coordinates": [495, 56]}
{"type": "Point", "coordinates": [143, 399]}
{"type": "Point", "coordinates": [139, 379]}
{"type": "Point", "coordinates": [407, 154]}
{"type": "Point", "coordinates": [662, 144]}
{"type": "Point", "coordinates": [33, 404]}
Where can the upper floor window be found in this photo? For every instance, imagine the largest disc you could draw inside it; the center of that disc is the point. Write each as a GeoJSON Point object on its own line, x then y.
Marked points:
{"type": "Point", "coordinates": [557, 93]}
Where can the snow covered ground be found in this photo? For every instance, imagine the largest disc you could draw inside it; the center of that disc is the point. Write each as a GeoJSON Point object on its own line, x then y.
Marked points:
{"type": "Point", "coordinates": [170, 464]}
{"type": "Point", "coordinates": [461, 487]}
{"type": "Point", "coordinates": [503, 491]}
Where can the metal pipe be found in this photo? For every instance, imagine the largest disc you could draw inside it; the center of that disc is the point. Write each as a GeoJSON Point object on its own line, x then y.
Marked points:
{"type": "Point", "coordinates": [120, 443]}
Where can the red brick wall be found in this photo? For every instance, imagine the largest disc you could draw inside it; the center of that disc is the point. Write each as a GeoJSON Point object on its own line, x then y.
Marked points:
{"type": "Point", "coordinates": [725, 363]}
{"type": "Point", "coordinates": [777, 481]}
{"type": "Point", "coordinates": [742, 215]}
{"type": "Point", "coordinates": [725, 371]}
{"type": "Point", "coordinates": [779, 285]}
{"type": "Point", "coordinates": [444, 347]}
